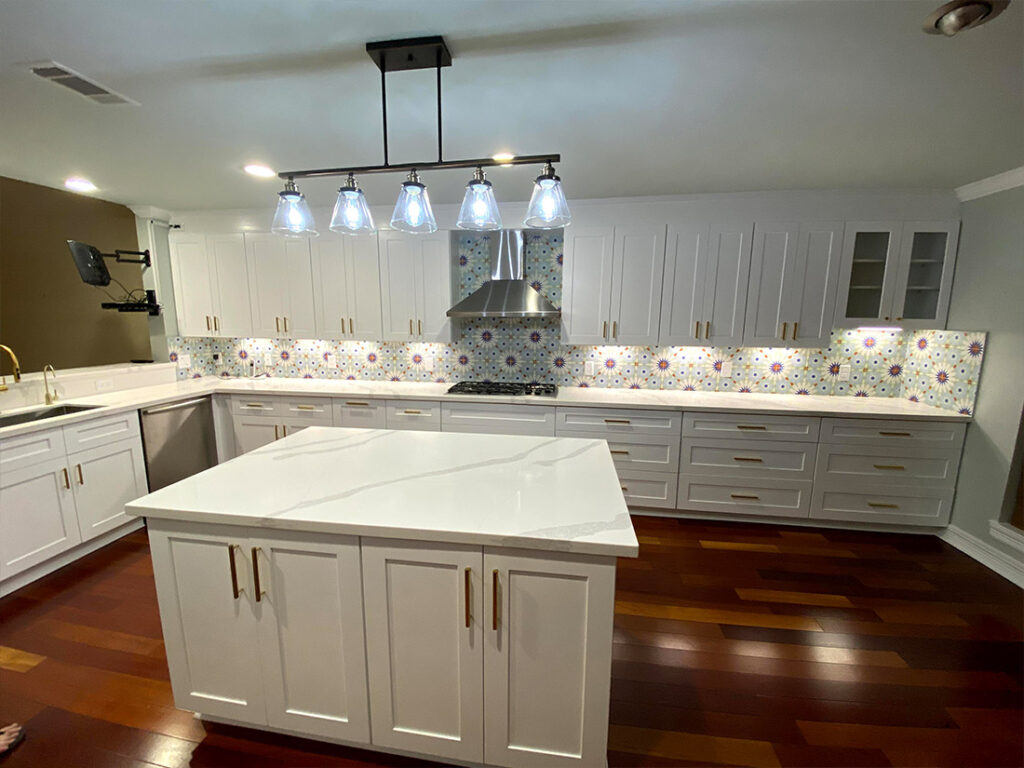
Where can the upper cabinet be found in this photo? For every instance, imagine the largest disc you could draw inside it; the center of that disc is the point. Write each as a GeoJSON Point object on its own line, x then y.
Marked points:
{"type": "Point", "coordinates": [415, 286]}
{"type": "Point", "coordinates": [897, 273]}
{"type": "Point", "coordinates": [211, 284]}
{"type": "Point", "coordinates": [612, 284]}
{"type": "Point", "coordinates": [346, 287]}
{"type": "Point", "coordinates": [794, 270]}
{"type": "Point", "coordinates": [281, 286]}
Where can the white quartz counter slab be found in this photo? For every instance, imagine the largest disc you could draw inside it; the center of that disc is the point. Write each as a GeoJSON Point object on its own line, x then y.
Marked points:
{"type": "Point", "coordinates": [543, 493]}
{"type": "Point", "coordinates": [653, 399]}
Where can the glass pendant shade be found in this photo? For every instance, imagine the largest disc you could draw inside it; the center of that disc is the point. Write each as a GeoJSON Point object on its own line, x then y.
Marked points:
{"type": "Point", "coordinates": [293, 217]}
{"type": "Point", "coordinates": [548, 208]}
{"type": "Point", "coordinates": [412, 211]}
{"type": "Point", "coordinates": [479, 209]}
{"type": "Point", "coordinates": [351, 213]}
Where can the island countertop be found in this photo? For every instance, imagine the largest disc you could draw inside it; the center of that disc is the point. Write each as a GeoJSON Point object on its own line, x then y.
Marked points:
{"type": "Point", "coordinates": [542, 493]}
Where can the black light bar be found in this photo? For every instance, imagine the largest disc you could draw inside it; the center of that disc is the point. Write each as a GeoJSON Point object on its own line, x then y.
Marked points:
{"type": "Point", "coordinates": [486, 162]}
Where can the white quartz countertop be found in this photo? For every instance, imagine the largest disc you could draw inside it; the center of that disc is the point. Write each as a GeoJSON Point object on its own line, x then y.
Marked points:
{"type": "Point", "coordinates": [651, 399]}
{"type": "Point", "coordinates": [543, 493]}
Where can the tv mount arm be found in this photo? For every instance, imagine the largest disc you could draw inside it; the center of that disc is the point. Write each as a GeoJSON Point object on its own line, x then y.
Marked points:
{"type": "Point", "coordinates": [116, 255]}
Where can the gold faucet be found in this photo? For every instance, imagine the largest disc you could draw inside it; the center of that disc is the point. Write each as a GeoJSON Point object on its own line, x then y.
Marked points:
{"type": "Point", "coordinates": [14, 364]}
{"type": "Point", "coordinates": [50, 399]}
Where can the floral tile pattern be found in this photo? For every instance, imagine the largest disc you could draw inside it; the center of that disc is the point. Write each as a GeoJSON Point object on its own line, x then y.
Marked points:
{"type": "Point", "coordinates": [939, 368]}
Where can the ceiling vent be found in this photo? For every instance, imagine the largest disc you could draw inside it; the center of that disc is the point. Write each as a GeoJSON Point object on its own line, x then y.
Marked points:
{"type": "Point", "coordinates": [61, 75]}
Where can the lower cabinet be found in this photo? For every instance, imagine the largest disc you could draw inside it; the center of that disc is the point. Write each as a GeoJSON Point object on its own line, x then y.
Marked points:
{"type": "Point", "coordinates": [104, 479]}
{"type": "Point", "coordinates": [256, 422]}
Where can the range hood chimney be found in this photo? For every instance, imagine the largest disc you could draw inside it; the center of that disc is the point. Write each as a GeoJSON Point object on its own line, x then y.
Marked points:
{"type": "Point", "coordinates": [506, 294]}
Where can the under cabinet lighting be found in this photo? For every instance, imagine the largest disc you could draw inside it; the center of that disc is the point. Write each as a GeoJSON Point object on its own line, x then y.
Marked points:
{"type": "Point", "coordinates": [79, 184]}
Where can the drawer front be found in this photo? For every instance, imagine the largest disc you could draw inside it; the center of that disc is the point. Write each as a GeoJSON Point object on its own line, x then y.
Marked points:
{"type": "Point", "coordinates": [102, 431]}
{"type": "Point", "coordinates": [606, 421]}
{"type": "Point", "coordinates": [498, 419]}
{"type": "Point", "coordinates": [802, 429]}
{"type": "Point", "coordinates": [841, 465]}
{"type": "Point", "coordinates": [33, 448]}
{"type": "Point", "coordinates": [357, 412]}
{"type": "Point", "coordinates": [638, 452]}
{"type": "Point", "coordinates": [254, 406]}
{"type": "Point", "coordinates": [762, 458]}
{"type": "Point", "coordinates": [745, 496]}
{"type": "Point", "coordinates": [886, 506]}
{"type": "Point", "coordinates": [893, 432]}
{"type": "Point", "coordinates": [648, 489]}
{"type": "Point", "coordinates": [414, 414]}
{"type": "Point", "coordinates": [314, 409]}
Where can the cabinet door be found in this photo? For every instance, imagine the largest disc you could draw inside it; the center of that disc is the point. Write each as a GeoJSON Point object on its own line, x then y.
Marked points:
{"type": "Point", "coordinates": [927, 258]}
{"type": "Point", "coordinates": [868, 273]}
{"type": "Point", "coordinates": [773, 273]}
{"type": "Point", "coordinates": [587, 285]}
{"type": "Point", "coordinates": [311, 636]}
{"type": "Point", "coordinates": [638, 272]}
{"type": "Point", "coordinates": [210, 630]}
{"type": "Point", "coordinates": [810, 295]}
{"type": "Point", "coordinates": [435, 287]}
{"type": "Point", "coordinates": [252, 432]}
{"type": "Point", "coordinates": [725, 284]}
{"type": "Point", "coordinates": [279, 280]}
{"type": "Point", "coordinates": [364, 315]}
{"type": "Point", "coordinates": [37, 515]}
{"type": "Point", "coordinates": [547, 659]}
{"type": "Point", "coordinates": [424, 646]}
{"type": "Point", "coordinates": [300, 317]}
{"type": "Point", "coordinates": [399, 258]}
{"type": "Point", "coordinates": [332, 280]}
{"type": "Point", "coordinates": [232, 314]}
{"type": "Point", "coordinates": [682, 298]}
{"type": "Point", "coordinates": [104, 480]}
{"type": "Point", "coordinates": [193, 288]}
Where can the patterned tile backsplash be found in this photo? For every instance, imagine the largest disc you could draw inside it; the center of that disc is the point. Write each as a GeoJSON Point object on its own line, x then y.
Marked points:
{"type": "Point", "coordinates": [940, 368]}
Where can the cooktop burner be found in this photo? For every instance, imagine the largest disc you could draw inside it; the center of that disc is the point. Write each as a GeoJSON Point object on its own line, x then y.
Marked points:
{"type": "Point", "coordinates": [506, 388]}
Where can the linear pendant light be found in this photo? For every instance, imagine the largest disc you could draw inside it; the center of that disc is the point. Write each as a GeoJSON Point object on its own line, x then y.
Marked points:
{"type": "Point", "coordinates": [412, 211]}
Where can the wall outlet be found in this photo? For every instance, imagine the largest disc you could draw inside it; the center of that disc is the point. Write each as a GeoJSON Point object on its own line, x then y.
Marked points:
{"type": "Point", "coordinates": [727, 369]}
{"type": "Point", "coordinates": [331, 360]}
{"type": "Point", "coordinates": [184, 360]}
{"type": "Point", "coordinates": [267, 362]}
{"type": "Point", "coordinates": [590, 368]}
{"type": "Point", "coordinates": [104, 385]}
{"type": "Point", "coordinates": [844, 372]}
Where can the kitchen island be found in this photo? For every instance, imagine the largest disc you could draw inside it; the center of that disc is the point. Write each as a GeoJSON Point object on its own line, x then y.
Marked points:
{"type": "Point", "coordinates": [448, 596]}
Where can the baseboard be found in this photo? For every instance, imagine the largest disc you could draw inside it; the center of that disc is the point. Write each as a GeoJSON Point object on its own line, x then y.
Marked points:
{"type": "Point", "coordinates": [1007, 566]}
{"type": "Point", "coordinates": [1007, 534]}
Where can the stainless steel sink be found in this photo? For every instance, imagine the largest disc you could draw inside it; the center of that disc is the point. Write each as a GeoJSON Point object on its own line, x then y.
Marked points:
{"type": "Point", "coordinates": [39, 414]}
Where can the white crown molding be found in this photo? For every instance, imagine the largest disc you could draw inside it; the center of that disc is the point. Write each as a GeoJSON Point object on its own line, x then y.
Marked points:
{"type": "Point", "coordinates": [984, 187]}
{"type": "Point", "coordinates": [1007, 566]}
{"type": "Point", "coordinates": [150, 212]}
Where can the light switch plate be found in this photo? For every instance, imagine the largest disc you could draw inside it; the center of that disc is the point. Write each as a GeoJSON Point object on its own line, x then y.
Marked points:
{"type": "Point", "coordinates": [844, 372]}
{"type": "Point", "coordinates": [331, 360]}
{"type": "Point", "coordinates": [727, 369]}
{"type": "Point", "coordinates": [184, 360]}
{"type": "Point", "coordinates": [266, 360]}
{"type": "Point", "coordinates": [590, 368]}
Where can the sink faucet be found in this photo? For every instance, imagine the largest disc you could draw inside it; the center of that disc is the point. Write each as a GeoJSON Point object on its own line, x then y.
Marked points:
{"type": "Point", "coordinates": [14, 365]}
{"type": "Point", "coordinates": [50, 398]}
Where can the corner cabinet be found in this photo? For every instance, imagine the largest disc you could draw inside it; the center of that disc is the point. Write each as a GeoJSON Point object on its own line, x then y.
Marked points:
{"type": "Point", "coordinates": [211, 284]}
{"type": "Point", "coordinates": [280, 286]}
{"type": "Point", "coordinates": [415, 286]}
{"type": "Point", "coordinates": [612, 285]}
{"type": "Point", "coordinates": [346, 287]}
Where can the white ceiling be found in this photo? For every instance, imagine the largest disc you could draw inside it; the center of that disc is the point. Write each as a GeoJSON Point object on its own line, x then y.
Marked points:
{"type": "Point", "coordinates": [639, 97]}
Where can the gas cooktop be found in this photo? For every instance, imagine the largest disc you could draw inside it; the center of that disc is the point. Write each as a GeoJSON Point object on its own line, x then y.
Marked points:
{"type": "Point", "coordinates": [506, 388]}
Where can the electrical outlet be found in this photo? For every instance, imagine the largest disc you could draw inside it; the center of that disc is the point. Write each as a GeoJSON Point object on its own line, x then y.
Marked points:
{"type": "Point", "coordinates": [267, 362]}
{"type": "Point", "coordinates": [331, 360]}
{"type": "Point", "coordinates": [428, 364]}
{"type": "Point", "coordinates": [590, 368]}
{"type": "Point", "coordinates": [184, 360]}
{"type": "Point", "coordinates": [844, 372]}
{"type": "Point", "coordinates": [726, 369]}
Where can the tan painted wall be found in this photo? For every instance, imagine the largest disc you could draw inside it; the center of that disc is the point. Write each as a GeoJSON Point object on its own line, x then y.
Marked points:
{"type": "Point", "coordinates": [47, 314]}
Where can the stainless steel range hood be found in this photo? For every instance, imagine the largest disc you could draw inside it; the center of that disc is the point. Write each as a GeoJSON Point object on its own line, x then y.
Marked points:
{"type": "Point", "coordinates": [506, 294]}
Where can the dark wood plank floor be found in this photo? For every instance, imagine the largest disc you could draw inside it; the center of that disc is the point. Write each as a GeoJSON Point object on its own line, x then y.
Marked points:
{"type": "Point", "coordinates": [734, 645]}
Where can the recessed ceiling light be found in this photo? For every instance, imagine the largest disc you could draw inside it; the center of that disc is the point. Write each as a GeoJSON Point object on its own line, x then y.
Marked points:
{"type": "Point", "coordinates": [259, 170]}
{"type": "Point", "coordinates": [78, 184]}
{"type": "Point", "coordinates": [503, 157]}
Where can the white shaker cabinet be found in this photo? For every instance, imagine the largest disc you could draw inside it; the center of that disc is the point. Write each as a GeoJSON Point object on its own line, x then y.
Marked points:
{"type": "Point", "coordinates": [346, 287]}
{"type": "Point", "coordinates": [925, 279]}
{"type": "Point", "coordinates": [682, 302]}
{"type": "Point", "coordinates": [794, 270]}
{"type": "Point", "coordinates": [280, 286]}
{"type": "Point", "coordinates": [104, 479]}
{"type": "Point", "coordinates": [415, 286]}
{"type": "Point", "coordinates": [725, 284]}
{"type": "Point", "coordinates": [211, 284]}
{"type": "Point", "coordinates": [613, 284]}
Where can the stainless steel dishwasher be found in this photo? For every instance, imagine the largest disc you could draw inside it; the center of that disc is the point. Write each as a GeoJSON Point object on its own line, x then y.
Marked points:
{"type": "Point", "coordinates": [179, 440]}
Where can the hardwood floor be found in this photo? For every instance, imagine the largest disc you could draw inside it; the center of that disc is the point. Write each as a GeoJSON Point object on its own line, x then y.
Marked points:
{"type": "Point", "coordinates": [735, 645]}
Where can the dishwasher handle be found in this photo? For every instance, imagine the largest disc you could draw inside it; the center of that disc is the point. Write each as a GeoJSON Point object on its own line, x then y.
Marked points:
{"type": "Point", "coordinates": [175, 406]}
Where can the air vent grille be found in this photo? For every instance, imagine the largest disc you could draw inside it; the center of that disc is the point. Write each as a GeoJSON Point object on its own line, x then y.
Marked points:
{"type": "Point", "coordinates": [77, 82]}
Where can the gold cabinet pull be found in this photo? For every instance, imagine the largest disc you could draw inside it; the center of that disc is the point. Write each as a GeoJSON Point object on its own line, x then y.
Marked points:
{"type": "Point", "coordinates": [748, 496]}
{"type": "Point", "coordinates": [276, 435]}
{"type": "Point", "coordinates": [758, 427]}
{"type": "Point", "coordinates": [410, 326]}
{"type": "Point", "coordinates": [67, 480]}
{"type": "Point", "coordinates": [285, 324]}
{"type": "Point", "coordinates": [254, 405]}
{"type": "Point", "coordinates": [351, 326]}
{"type": "Point", "coordinates": [277, 324]}
{"type": "Point", "coordinates": [623, 488]}
{"type": "Point", "coordinates": [784, 327]}
{"type": "Point", "coordinates": [615, 329]}
{"type": "Point", "coordinates": [494, 600]}
{"type": "Point", "coordinates": [255, 573]}
{"type": "Point", "coordinates": [412, 412]}
{"type": "Point", "coordinates": [469, 612]}
{"type": "Point", "coordinates": [284, 430]}
{"type": "Point", "coordinates": [897, 467]}
{"type": "Point", "coordinates": [696, 330]}
{"type": "Point", "coordinates": [617, 421]}
{"type": "Point", "coordinates": [419, 327]}
{"type": "Point", "coordinates": [357, 403]}
{"type": "Point", "coordinates": [618, 452]}
{"type": "Point", "coordinates": [304, 407]}
{"type": "Point", "coordinates": [208, 323]}
{"type": "Point", "coordinates": [895, 434]}
{"type": "Point", "coordinates": [795, 326]}
{"type": "Point", "coordinates": [881, 505]}
{"type": "Point", "coordinates": [78, 469]}
{"type": "Point", "coordinates": [216, 323]}
{"type": "Point", "coordinates": [748, 458]}
{"type": "Point", "coordinates": [707, 330]}
{"type": "Point", "coordinates": [235, 591]}
{"type": "Point", "coordinates": [604, 330]}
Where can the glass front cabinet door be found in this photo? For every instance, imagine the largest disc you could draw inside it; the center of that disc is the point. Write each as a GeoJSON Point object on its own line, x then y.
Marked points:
{"type": "Point", "coordinates": [927, 258]}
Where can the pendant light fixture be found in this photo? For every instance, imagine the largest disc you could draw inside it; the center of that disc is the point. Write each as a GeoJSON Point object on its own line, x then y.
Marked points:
{"type": "Point", "coordinates": [548, 208]}
{"type": "Point", "coordinates": [479, 210]}
{"type": "Point", "coordinates": [351, 213]}
{"type": "Point", "coordinates": [293, 217]}
{"type": "Point", "coordinates": [412, 211]}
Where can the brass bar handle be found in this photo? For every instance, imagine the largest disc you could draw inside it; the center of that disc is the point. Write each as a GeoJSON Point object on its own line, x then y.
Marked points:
{"type": "Point", "coordinates": [494, 600]}
{"type": "Point", "coordinates": [880, 505]}
{"type": "Point", "coordinates": [67, 480]}
{"type": "Point", "coordinates": [78, 468]}
{"type": "Point", "coordinates": [216, 323]}
{"type": "Point", "coordinates": [357, 403]}
{"type": "Point", "coordinates": [756, 427]}
{"type": "Point", "coordinates": [285, 325]}
{"type": "Point", "coordinates": [410, 326]}
{"type": "Point", "coordinates": [254, 405]}
{"type": "Point", "coordinates": [748, 496]}
{"type": "Point", "coordinates": [276, 435]}
{"type": "Point", "coordinates": [350, 326]}
{"type": "Point", "coordinates": [795, 326]}
{"type": "Point", "coordinates": [284, 430]}
{"type": "Point", "coordinates": [469, 612]}
{"type": "Point", "coordinates": [784, 327]}
{"type": "Point", "coordinates": [696, 329]}
{"type": "Point", "coordinates": [412, 412]}
{"type": "Point", "coordinates": [617, 421]}
{"type": "Point", "coordinates": [604, 330]}
{"type": "Point", "coordinates": [277, 324]}
{"type": "Point", "coordinates": [707, 329]}
{"type": "Point", "coordinates": [305, 407]}
{"type": "Point", "coordinates": [419, 327]}
{"type": "Point", "coordinates": [618, 452]}
{"type": "Point", "coordinates": [235, 591]}
{"type": "Point", "coordinates": [256, 573]}
{"type": "Point", "coordinates": [897, 467]}
{"type": "Point", "coordinates": [615, 329]}
{"type": "Point", "coordinates": [624, 488]}
{"type": "Point", "coordinates": [208, 323]}
{"type": "Point", "coordinates": [748, 458]}
{"type": "Point", "coordinates": [895, 434]}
